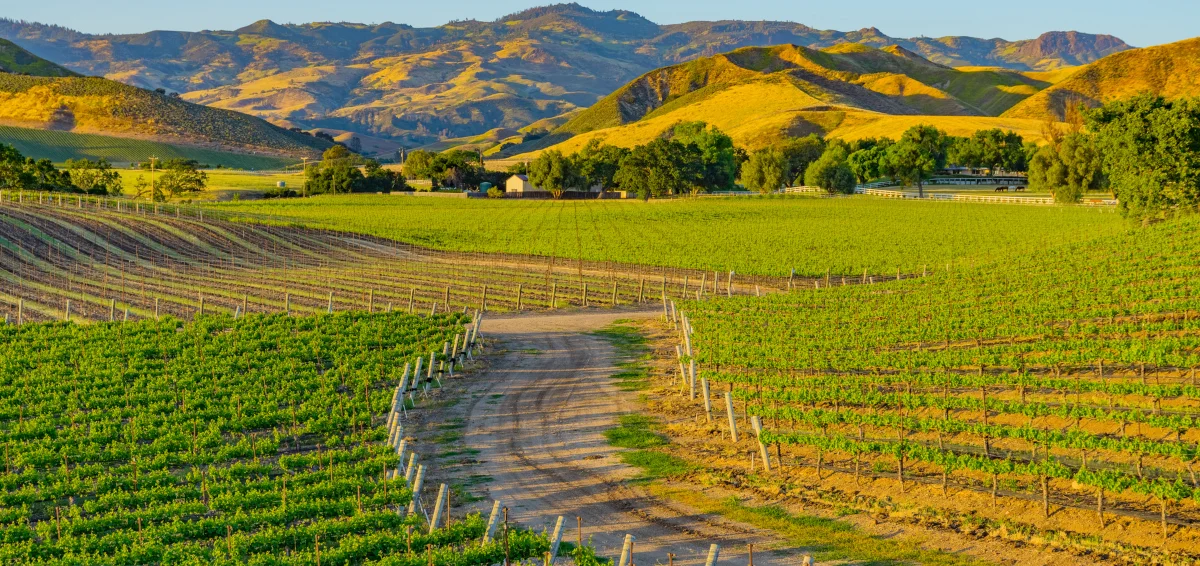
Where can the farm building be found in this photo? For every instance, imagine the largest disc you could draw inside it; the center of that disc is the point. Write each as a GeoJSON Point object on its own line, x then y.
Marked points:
{"type": "Point", "coordinates": [519, 184]}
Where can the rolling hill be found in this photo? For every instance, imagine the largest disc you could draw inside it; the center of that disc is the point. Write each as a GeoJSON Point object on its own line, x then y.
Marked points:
{"type": "Point", "coordinates": [758, 94]}
{"type": "Point", "coordinates": [1171, 70]}
{"type": "Point", "coordinates": [466, 78]}
{"type": "Point", "coordinates": [18, 61]}
{"type": "Point", "coordinates": [102, 106]}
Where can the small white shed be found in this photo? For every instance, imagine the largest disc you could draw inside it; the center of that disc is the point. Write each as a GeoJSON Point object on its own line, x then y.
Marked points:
{"type": "Point", "coordinates": [519, 184]}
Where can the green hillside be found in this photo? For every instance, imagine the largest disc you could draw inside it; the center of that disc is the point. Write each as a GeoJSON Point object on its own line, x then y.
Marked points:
{"type": "Point", "coordinates": [13, 59]}
{"type": "Point", "coordinates": [95, 105]}
{"type": "Point", "coordinates": [1171, 70]}
{"type": "Point", "coordinates": [61, 146]}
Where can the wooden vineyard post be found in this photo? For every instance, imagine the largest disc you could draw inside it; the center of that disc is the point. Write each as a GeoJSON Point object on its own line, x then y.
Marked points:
{"type": "Point", "coordinates": [412, 294]}
{"type": "Point", "coordinates": [554, 294]}
{"type": "Point", "coordinates": [415, 504]}
{"type": "Point", "coordinates": [864, 277]}
{"type": "Point", "coordinates": [626, 551]}
{"type": "Point", "coordinates": [287, 304]}
{"type": "Point", "coordinates": [156, 308]}
{"type": "Point", "coordinates": [792, 279]}
{"type": "Point", "coordinates": [491, 524]}
{"type": "Point", "coordinates": [555, 540]}
{"type": "Point", "coordinates": [483, 300]}
{"type": "Point", "coordinates": [245, 304]}
{"type": "Point", "coordinates": [200, 310]}
{"type": "Point", "coordinates": [446, 299]}
{"type": "Point", "coordinates": [729, 288]}
{"type": "Point", "coordinates": [614, 294]}
{"type": "Point", "coordinates": [520, 295]}
{"type": "Point", "coordinates": [732, 417]}
{"type": "Point", "coordinates": [371, 301]}
{"type": "Point", "coordinates": [707, 400]}
{"type": "Point", "coordinates": [713, 552]}
{"type": "Point", "coordinates": [756, 423]}
{"type": "Point", "coordinates": [329, 309]}
{"type": "Point", "coordinates": [438, 508]}
{"type": "Point", "coordinates": [585, 295]}
{"type": "Point", "coordinates": [112, 310]}
{"type": "Point", "coordinates": [20, 311]}
{"type": "Point", "coordinates": [642, 291]}
{"type": "Point", "coordinates": [692, 378]}
{"type": "Point", "coordinates": [67, 311]}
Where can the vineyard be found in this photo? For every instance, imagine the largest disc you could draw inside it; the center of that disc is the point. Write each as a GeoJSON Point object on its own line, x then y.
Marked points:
{"type": "Point", "coordinates": [59, 146]}
{"type": "Point", "coordinates": [752, 236]}
{"type": "Point", "coordinates": [92, 259]}
{"type": "Point", "coordinates": [258, 439]}
{"type": "Point", "coordinates": [1064, 380]}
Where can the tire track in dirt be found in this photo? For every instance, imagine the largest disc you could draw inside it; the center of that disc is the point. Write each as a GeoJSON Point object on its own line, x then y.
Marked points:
{"type": "Point", "coordinates": [537, 417]}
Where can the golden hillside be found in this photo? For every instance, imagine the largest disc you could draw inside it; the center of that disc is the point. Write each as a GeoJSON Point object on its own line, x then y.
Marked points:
{"type": "Point", "coordinates": [95, 105]}
{"type": "Point", "coordinates": [759, 95]}
{"type": "Point", "coordinates": [1171, 70]}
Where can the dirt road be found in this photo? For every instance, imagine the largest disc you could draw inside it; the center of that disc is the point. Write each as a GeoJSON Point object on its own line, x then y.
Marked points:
{"type": "Point", "coordinates": [537, 417]}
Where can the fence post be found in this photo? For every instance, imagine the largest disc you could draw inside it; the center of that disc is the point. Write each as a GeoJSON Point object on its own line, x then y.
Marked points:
{"type": "Point", "coordinates": [67, 311]}
{"type": "Point", "coordinates": [707, 400]}
{"type": "Point", "coordinates": [713, 552]}
{"type": "Point", "coordinates": [732, 417]}
{"type": "Point", "coordinates": [287, 304]}
{"type": "Point", "coordinates": [555, 539]}
{"type": "Point", "coordinates": [756, 423]}
{"type": "Point", "coordinates": [437, 508]}
{"type": "Point", "coordinates": [520, 295]}
{"type": "Point", "coordinates": [554, 294]}
{"type": "Point", "coordinates": [642, 291]}
{"type": "Point", "coordinates": [492, 520]}
{"type": "Point", "coordinates": [329, 309]}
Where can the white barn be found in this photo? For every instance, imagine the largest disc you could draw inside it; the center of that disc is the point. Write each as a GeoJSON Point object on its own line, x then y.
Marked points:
{"type": "Point", "coordinates": [519, 184]}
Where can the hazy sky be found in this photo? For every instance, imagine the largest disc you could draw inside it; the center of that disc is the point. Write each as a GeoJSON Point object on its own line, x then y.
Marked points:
{"type": "Point", "coordinates": [1141, 23]}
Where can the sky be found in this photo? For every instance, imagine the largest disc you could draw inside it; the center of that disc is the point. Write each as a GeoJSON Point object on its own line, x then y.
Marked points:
{"type": "Point", "coordinates": [1141, 23]}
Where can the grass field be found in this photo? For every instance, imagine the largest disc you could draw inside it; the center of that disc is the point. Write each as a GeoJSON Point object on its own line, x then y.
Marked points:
{"type": "Point", "coordinates": [61, 146]}
{"type": "Point", "coordinates": [224, 184]}
{"type": "Point", "coordinates": [766, 236]}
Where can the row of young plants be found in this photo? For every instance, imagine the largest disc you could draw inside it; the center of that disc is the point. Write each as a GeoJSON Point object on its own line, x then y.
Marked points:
{"type": "Point", "coordinates": [145, 263]}
{"type": "Point", "coordinates": [261, 439]}
{"type": "Point", "coordinates": [1030, 371]}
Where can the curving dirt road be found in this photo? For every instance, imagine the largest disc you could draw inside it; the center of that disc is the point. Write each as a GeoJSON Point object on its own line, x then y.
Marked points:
{"type": "Point", "coordinates": [537, 417]}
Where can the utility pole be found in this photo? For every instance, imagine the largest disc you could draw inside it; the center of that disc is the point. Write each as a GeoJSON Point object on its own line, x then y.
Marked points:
{"type": "Point", "coordinates": [304, 188]}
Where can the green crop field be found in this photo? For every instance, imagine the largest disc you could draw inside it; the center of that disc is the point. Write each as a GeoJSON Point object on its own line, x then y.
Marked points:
{"type": "Point", "coordinates": [61, 146]}
{"type": "Point", "coordinates": [1063, 378]}
{"type": "Point", "coordinates": [260, 439]}
{"type": "Point", "coordinates": [766, 236]}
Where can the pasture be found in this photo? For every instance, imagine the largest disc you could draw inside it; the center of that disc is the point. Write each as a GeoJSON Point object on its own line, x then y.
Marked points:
{"type": "Point", "coordinates": [753, 236]}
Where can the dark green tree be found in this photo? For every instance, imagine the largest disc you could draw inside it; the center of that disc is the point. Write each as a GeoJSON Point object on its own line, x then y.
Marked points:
{"type": "Point", "coordinates": [597, 164]}
{"type": "Point", "coordinates": [554, 172]}
{"type": "Point", "coordinates": [713, 153]}
{"type": "Point", "coordinates": [920, 152]}
{"type": "Point", "coordinates": [659, 168]}
{"type": "Point", "coordinates": [831, 172]}
{"type": "Point", "coordinates": [766, 171]}
{"type": "Point", "coordinates": [799, 153]}
{"type": "Point", "coordinates": [1150, 149]}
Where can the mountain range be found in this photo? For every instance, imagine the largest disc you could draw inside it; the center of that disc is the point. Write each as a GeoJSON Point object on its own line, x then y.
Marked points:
{"type": "Point", "coordinates": [538, 67]}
